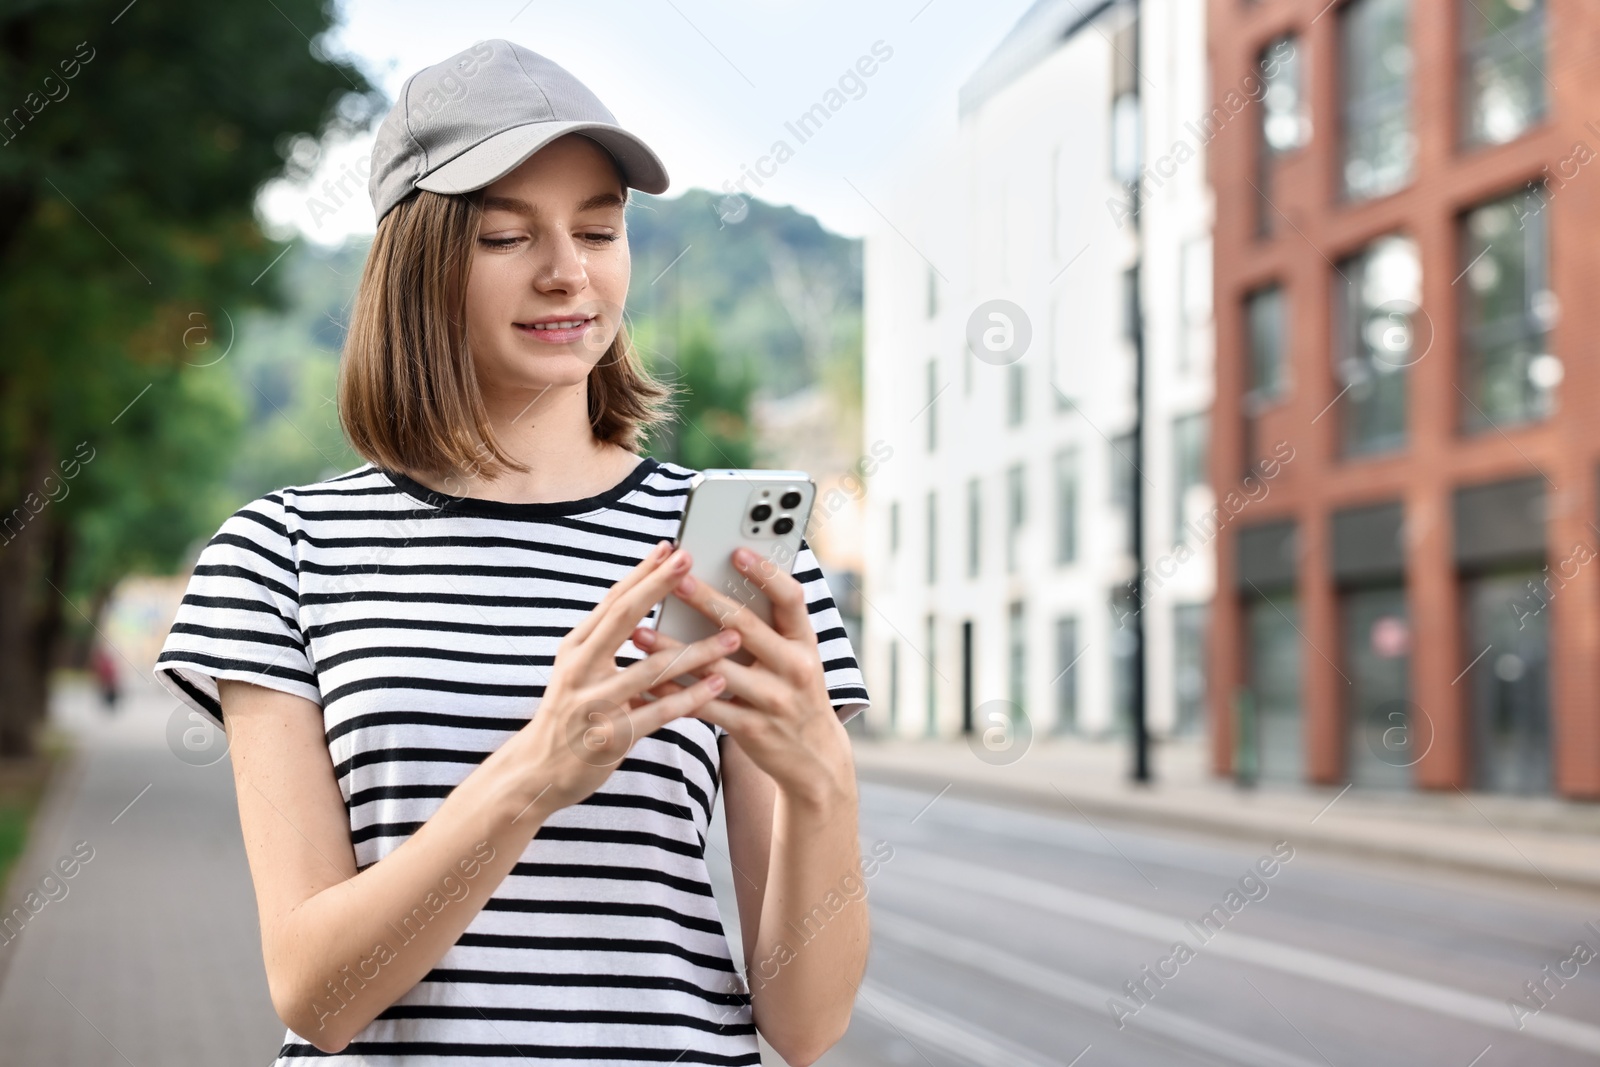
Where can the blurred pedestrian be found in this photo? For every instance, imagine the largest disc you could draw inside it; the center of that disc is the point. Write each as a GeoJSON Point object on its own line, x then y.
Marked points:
{"type": "Point", "coordinates": [106, 676]}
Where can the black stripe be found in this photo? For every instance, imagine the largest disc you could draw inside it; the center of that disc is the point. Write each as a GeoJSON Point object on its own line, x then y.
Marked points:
{"type": "Point", "coordinates": [546, 1052]}
{"type": "Point", "coordinates": [604, 907]}
{"type": "Point", "coordinates": [560, 1015]}
{"type": "Point", "coordinates": [610, 872]}
{"type": "Point", "coordinates": [535, 943]}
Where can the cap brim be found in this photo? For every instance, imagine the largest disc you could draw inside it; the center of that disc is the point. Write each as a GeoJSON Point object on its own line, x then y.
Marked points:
{"type": "Point", "coordinates": [489, 161]}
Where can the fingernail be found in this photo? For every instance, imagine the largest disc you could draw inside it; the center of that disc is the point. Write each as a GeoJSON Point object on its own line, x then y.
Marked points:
{"type": "Point", "coordinates": [681, 563]}
{"type": "Point", "coordinates": [715, 683]}
{"type": "Point", "coordinates": [728, 638]}
{"type": "Point", "coordinates": [744, 557]}
{"type": "Point", "coordinates": [661, 549]}
{"type": "Point", "coordinates": [687, 585]}
{"type": "Point", "coordinates": [644, 637]}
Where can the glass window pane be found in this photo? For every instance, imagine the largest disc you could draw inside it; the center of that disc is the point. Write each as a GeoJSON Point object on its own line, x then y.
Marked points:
{"type": "Point", "coordinates": [1189, 668]}
{"type": "Point", "coordinates": [1379, 292]}
{"type": "Point", "coordinates": [1272, 724]}
{"type": "Point", "coordinates": [1509, 375]}
{"type": "Point", "coordinates": [1379, 146]}
{"type": "Point", "coordinates": [1191, 492]}
{"type": "Point", "coordinates": [1387, 736]}
{"type": "Point", "coordinates": [933, 538]}
{"type": "Point", "coordinates": [1016, 513]}
{"type": "Point", "coordinates": [1066, 506]}
{"type": "Point", "coordinates": [1266, 328]}
{"type": "Point", "coordinates": [1285, 109]}
{"type": "Point", "coordinates": [1509, 684]}
{"type": "Point", "coordinates": [1502, 68]}
{"type": "Point", "coordinates": [1017, 667]}
{"type": "Point", "coordinates": [1066, 675]}
{"type": "Point", "coordinates": [974, 525]}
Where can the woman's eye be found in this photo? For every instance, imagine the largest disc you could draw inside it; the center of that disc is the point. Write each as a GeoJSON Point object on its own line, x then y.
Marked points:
{"type": "Point", "coordinates": [603, 238]}
{"type": "Point", "coordinates": [498, 242]}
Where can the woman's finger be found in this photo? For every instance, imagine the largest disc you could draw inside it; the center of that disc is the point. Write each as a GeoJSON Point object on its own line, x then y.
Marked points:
{"type": "Point", "coordinates": [646, 719]}
{"type": "Point", "coordinates": [765, 643]}
{"type": "Point", "coordinates": [731, 717]}
{"type": "Point", "coordinates": [754, 685]}
{"type": "Point", "coordinates": [668, 661]}
{"type": "Point", "coordinates": [789, 615]}
{"type": "Point", "coordinates": [615, 621]}
{"type": "Point", "coordinates": [644, 567]}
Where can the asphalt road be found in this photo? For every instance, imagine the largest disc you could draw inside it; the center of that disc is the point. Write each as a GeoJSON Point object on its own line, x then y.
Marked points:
{"type": "Point", "coordinates": [1002, 937]}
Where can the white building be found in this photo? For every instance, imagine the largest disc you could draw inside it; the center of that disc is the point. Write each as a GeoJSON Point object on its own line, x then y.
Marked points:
{"type": "Point", "coordinates": [997, 531]}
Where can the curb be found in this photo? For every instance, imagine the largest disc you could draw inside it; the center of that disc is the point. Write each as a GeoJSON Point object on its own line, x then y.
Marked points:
{"type": "Point", "coordinates": [1330, 841]}
{"type": "Point", "coordinates": [49, 820]}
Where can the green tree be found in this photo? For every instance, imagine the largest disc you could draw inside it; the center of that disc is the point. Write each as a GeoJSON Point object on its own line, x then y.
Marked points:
{"type": "Point", "coordinates": [712, 425]}
{"type": "Point", "coordinates": [134, 141]}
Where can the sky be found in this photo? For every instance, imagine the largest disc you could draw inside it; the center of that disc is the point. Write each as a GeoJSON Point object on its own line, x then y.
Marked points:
{"type": "Point", "coordinates": [708, 84]}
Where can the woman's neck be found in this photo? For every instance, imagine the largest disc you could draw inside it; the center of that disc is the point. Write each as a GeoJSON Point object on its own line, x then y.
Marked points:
{"type": "Point", "coordinates": [548, 431]}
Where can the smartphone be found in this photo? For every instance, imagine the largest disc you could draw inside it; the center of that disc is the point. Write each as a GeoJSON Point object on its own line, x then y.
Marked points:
{"type": "Point", "coordinates": [764, 511]}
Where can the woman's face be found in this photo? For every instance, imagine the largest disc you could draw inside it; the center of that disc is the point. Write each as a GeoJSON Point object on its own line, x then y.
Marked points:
{"type": "Point", "coordinates": [551, 249]}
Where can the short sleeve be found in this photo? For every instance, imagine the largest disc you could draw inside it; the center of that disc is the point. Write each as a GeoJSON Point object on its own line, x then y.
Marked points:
{"type": "Point", "coordinates": [239, 615]}
{"type": "Point", "coordinates": [847, 689]}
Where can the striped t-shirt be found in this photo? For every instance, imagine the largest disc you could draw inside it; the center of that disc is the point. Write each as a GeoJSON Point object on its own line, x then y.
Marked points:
{"type": "Point", "coordinates": [424, 626]}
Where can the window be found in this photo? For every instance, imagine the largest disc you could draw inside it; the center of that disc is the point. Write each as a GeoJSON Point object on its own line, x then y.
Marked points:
{"type": "Point", "coordinates": [932, 724]}
{"type": "Point", "coordinates": [1509, 376]}
{"type": "Point", "coordinates": [1125, 132]}
{"type": "Point", "coordinates": [1271, 739]}
{"type": "Point", "coordinates": [1379, 146]}
{"type": "Point", "coordinates": [1502, 76]}
{"type": "Point", "coordinates": [894, 526]}
{"type": "Point", "coordinates": [894, 686]}
{"type": "Point", "coordinates": [933, 293]}
{"type": "Point", "coordinates": [1130, 305]}
{"type": "Point", "coordinates": [1123, 472]}
{"type": "Point", "coordinates": [1124, 661]}
{"type": "Point", "coordinates": [1066, 506]}
{"type": "Point", "coordinates": [933, 538]}
{"type": "Point", "coordinates": [1066, 680]}
{"type": "Point", "coordinates": [1285, 119]}
{"type": "Point", "coordinates": [1285, 109]}
{"type": "Point", "coordinates": [1266, 330]}
{"type": "Point", "coordinates": [930, 408]}
{"type": "Point", "coordinates": [1189, 668]}
{"type": "Point", "coordinates": [1384, 742]}
{"type": "Point", "coordinates": [1191, 496]}
{"type": "Point", "coordinates": [1017, 660]}
{"type": "Point", "coordinates": [1016, 513]}
{"type": "Point", "coordinates": [1016, 394]}
{"type": "Point", "coordinates": [1379, 294]}
{"type": "Point", "coordinates": [974, 525]}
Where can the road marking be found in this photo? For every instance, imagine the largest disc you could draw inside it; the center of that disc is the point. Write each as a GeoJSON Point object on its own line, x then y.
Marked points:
{"type": "Point", "coordinates": [1286, 959]}
{"type": "Point", "coordinates": [968, 1042]}
{"type": "Point", "coordinates": [1047, 981]}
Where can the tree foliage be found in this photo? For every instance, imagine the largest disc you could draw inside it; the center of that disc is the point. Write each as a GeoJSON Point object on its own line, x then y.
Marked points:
{"type": "Point", "coordinates": [133, 141]}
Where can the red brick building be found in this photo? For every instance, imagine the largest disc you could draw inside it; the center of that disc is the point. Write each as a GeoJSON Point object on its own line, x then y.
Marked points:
{"type": "Point", "coordinates": [1407, 287]}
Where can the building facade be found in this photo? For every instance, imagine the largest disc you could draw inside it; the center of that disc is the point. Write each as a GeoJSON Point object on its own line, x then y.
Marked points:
{"type": "Point", "coordinates": [1405, 322]}
{"type": "Point", "coordinates": [1005, 299]}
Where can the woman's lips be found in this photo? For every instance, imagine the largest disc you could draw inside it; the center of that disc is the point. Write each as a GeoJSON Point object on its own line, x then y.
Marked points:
{"type": "Point", "coordinates": [552, 334]}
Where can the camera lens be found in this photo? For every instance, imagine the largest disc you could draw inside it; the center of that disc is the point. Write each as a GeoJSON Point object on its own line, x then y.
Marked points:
{"type": "Point", "coordinates": [783, 525]}
{"type": "Point", "coordinates": [789, 501]}
{"type": "Point", "coordinates": [761, 512]}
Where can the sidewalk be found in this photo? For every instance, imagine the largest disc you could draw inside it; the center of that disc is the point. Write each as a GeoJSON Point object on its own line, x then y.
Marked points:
{"type": "Point", "coordinates": [151, 953]}
{"type": "Point", "coordinates": [1537, 839]}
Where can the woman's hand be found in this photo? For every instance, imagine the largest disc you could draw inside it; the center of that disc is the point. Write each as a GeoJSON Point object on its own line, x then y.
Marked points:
{"type": "Point", "coordinates": [779, 711]}
{"type": "Point", "coordinates": [592, 712]}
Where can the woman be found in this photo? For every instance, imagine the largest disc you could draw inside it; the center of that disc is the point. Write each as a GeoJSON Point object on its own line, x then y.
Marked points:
{"type": "Point", "coordinates": [475, 811]}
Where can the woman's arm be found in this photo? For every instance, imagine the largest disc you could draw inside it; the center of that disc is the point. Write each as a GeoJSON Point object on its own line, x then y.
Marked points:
{"type": "Point", "coordinates": [339, 946]}
{"type": "Point", "coordinates": [793, 836]}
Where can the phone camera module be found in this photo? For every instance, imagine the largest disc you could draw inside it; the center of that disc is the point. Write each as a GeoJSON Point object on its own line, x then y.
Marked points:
{"type": "Point", "coordinates": [761, 513]}
{"type": "Point", "coordinates": [789, 501]}
{"type": "Point", "coordinates": [783, 525]}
